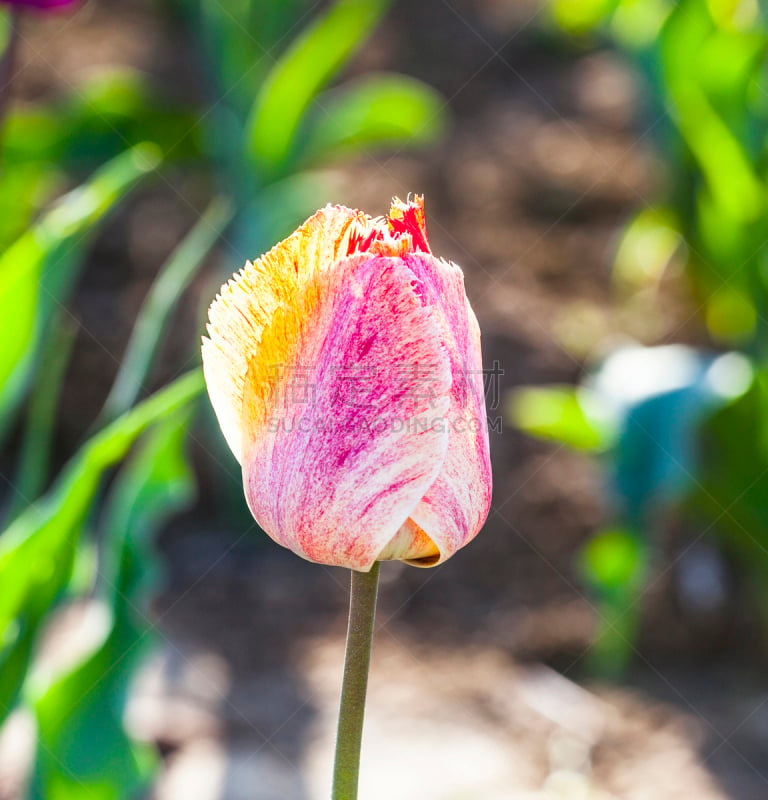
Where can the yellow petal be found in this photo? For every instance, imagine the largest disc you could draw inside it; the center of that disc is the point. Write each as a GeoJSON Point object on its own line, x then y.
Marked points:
{"type": "Point", "coordinates": [247, 303]}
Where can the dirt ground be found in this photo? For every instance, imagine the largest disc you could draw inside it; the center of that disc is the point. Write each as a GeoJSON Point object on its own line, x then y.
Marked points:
{"type": "Point", "coordinates": [479, 686]}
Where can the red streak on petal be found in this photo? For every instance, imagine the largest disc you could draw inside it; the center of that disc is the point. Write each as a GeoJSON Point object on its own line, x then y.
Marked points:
{"type": "Point", "coordinates": [407, 219]}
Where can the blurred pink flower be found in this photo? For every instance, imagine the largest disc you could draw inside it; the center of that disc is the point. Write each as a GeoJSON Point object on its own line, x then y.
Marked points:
{"type": "Point", "coordinates": [41, 5]}
{"type": "Point", "coordinates": [344, 367]}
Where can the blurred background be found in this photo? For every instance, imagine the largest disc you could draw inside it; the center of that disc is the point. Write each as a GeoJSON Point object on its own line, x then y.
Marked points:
{"type": "Point", "coordinates": [598, 169]}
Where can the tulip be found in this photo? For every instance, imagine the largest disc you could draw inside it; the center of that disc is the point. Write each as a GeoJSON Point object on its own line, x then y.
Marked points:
{"type": "Point", "coordinates": [344, 367]}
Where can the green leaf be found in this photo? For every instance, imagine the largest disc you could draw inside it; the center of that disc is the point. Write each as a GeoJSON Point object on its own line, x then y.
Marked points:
{"type": "Point", "coordinates": [612, 560]}
{"type": "Point", "coordinates": [36, 271]}
{"type": "Point", "coordinates": [115, 92]}
{"type": "Point", "coordinates": [613, 564]}
{"type": "Point", "coordinates": [636, 23]}
{"type": "Point", "coordinates": [32, 134]}
{"type": "Point", "coordinates": [165, 293]}
{"type": "Point", "coordinates": [84, 750]}
{"type": "Point", "coordinates": [732, 479]}
{"type": "Point", "coordinates": [731, 315]}
{"type": "Point", "coordinates": [37, 550]}
{"type": "Point", "coordinates": [720, 156]}
{"type": "Point", "coordinates": [33, 467]}
{"type": "Point", "coordinates": [579, 17]}
{"type": "Point", "coordinates": [238, 42]}
{"type": "Point", "coordinates": [119, 106]}
{"type": "Point", "coordinates": [155, 483]}
{"type": "Point", "coordinates": [5, 28]}
{"type": "Point", "coordinates": [374, 111]}
{"type": "Point", "coordinates": [308, 64]}
{"type": "Point", "coordinates": [23, 191]}
{"type": "Point", "coordinates": [571, 416]}
{"type": "Point", "coordinates": [648, 245]}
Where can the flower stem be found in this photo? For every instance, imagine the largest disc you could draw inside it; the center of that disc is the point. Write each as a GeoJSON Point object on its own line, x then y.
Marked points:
{"type": "Point", "coordinates": [8, 60]}
{"type": "Point", "coordinates": [362, 610]}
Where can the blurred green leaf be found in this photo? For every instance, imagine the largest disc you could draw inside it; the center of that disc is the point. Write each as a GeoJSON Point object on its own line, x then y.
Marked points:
{"type": "Point", "coordinates": [732, 481]}
{"type": "Point", "coordinates": [612, 560]}
{"type": "Point", "coordinates": [32, 473]}
{"type": "Point", "coordinates": [83, 751]}
{"type": "Point", "coordinates": [16, 649]}
{"type": "Point", "coordinates": [165, 293]}
{"type": "Point", "coordinates": [727, 66]}
{"type": "Point", "coordinates": [5, 27]}
{"type": "Point", "coordinates": [648, 244]}
{"type": "Point", "coordinates": [116, 92]}
{"type": "Point", "coordinates": [23, 191]}
{"type": "Point", "coordinates": [36, 271]}
{"type": "Point", "coordinates": [37, 550]}
{"type": "Point", "coordinates": [119, 107]}
{"type": "Point", "coordinates": [613, 563]}
{"type": "Point", "coordinates": [374, 111]}
{"type": "Point", "coordinates": [83, 748]}
{"type": "Point", "coordinates": [237, 42]}
{"type": "Point", "coordinates": [308, 64]}
{"type": "Point", "coordinates": [694, 432]}
{"type": "Point", "coordinates": [155, 483]}
{"type": "Point", "coordinates": [582, 16]}
{"type": "Point", "coordinates": [731, 315]}
{"type": "Point", "coordinates": [32, 134]}
{"type": "Point", "coordinates": [636, 23]}
{"type": "Point", "coordinates": [720, 155]}
{"type": "Point", "coordinates": [112, 110]}
{"type": "Point", "coordinates": [563, 414]}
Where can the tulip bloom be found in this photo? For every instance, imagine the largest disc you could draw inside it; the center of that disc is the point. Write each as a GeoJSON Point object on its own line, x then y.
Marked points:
{"type": "Point", "coordinates": [344, 368]}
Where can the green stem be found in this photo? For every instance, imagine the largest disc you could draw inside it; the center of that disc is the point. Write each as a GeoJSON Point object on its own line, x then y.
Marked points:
{"type": "Point", "coordinates": [8, 61]}
{"type": "Point", "coordinates": [362, 610]}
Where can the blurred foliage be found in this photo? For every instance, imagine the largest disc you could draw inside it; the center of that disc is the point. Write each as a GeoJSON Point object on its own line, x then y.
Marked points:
{"type": "Point", "coordinates": [88, 698]}
{"type": "Point", "coordinates": [682, 432]}
{"type": "Point", "coordinates": [37, 550]}
{"type": "Point", "coordinates": [79, 544]}
{"type": "Point", "coordinates": [703, 63]}
{"type": "Point", "coordinates": [275, 122]}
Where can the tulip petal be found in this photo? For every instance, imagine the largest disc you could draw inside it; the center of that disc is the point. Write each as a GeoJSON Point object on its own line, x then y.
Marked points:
{"type": "Point", "coordinates": [455, 507]}
{"type": "Point", "coordinates": [339, 443]}
{"type": "Point", "coordinates": [408, 219]}
{"type": "Point", "coordinates": [247, 303]}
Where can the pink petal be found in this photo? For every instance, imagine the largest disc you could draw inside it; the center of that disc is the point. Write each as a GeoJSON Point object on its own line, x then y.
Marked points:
{"type": "Point", "coordinates": [455, 507]}
{"type": "Point", "coordinates": [339, 447]}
